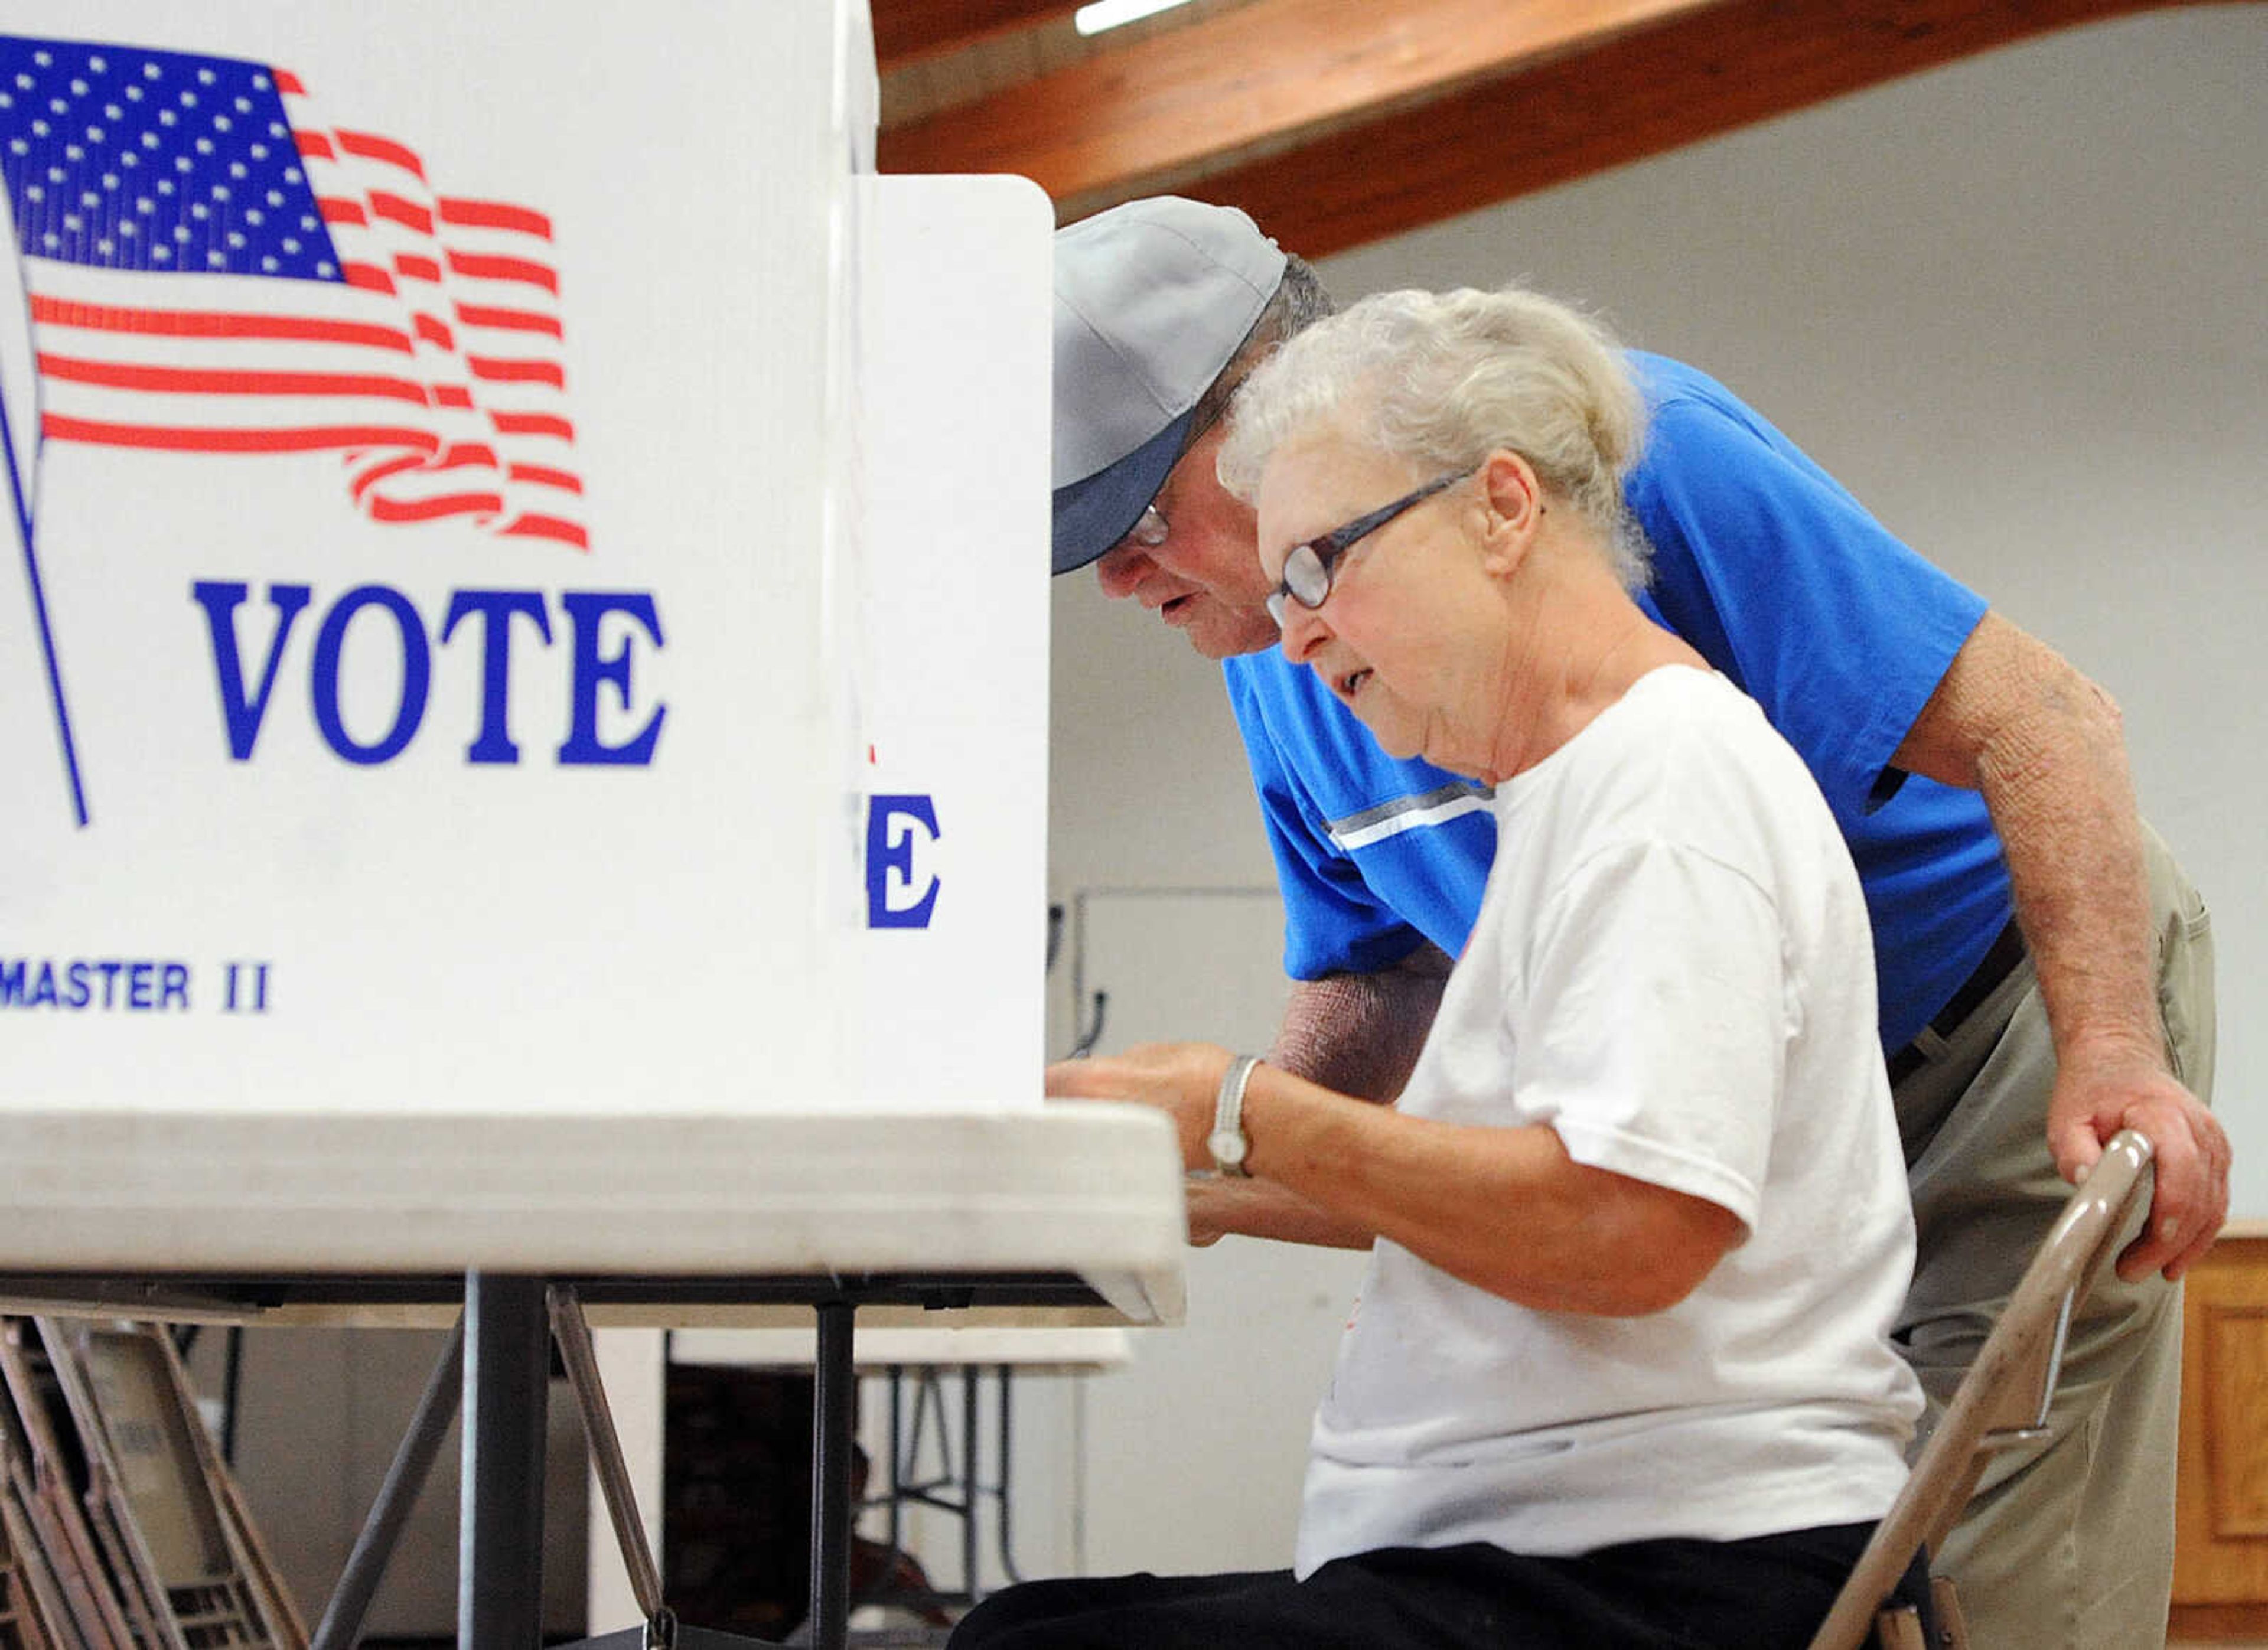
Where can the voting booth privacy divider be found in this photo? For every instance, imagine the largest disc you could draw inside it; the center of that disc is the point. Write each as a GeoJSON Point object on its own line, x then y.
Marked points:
{"type": "Point", "coordinates": [523, 585]}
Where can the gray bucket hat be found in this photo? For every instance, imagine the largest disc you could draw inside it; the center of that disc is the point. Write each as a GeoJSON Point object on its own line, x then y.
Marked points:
{"type": "Point", "coordinates": [1152, 299]}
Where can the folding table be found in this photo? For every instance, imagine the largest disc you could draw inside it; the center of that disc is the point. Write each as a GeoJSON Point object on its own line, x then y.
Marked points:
{"type": "Point", "coordinates": [1069, 1214]}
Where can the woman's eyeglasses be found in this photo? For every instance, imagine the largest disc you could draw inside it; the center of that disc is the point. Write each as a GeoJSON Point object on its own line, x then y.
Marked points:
{"type": "Point", "coordinates": [1308, 569]}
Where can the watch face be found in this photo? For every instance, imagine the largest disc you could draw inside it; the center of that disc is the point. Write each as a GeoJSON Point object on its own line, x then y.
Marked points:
{"type": "Point", "coordinates": [1228, 1148]}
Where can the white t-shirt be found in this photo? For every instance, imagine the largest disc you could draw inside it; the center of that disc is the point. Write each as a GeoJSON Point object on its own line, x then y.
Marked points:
{"type": "Point", "coordinates": [1672, 968]}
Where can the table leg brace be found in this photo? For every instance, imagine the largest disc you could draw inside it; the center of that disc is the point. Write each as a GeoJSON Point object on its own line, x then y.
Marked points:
{"type": "Point", "coordinates": [413, 1460]}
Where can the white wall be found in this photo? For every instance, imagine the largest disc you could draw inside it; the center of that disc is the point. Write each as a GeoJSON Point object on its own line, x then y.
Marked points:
{"type": "Point", "coordinates": [2017, 304]}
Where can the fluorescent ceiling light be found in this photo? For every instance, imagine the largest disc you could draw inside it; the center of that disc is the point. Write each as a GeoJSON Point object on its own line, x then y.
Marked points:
{"type": "Point", "coordinates": [1109, 14]}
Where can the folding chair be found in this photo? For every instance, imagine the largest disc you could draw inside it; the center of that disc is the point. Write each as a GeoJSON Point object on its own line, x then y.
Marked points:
{"type": "Point", "coordinates": [2000, 1403]}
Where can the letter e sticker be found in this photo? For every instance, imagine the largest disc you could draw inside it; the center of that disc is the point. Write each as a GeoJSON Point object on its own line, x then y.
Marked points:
{"type": "Point", "coordinates": [895, 898]}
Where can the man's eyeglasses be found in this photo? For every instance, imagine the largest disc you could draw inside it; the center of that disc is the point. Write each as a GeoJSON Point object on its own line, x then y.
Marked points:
{"type": "Point", "coordinates": [1309, 568]}
{"type": "Point", "coordinates": [1149, 527]}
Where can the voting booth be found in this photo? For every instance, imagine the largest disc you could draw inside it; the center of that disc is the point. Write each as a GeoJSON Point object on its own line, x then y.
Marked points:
{"type": "Point", "coordinates": [522, 629]}
{"type": "Point", "coordinates": [515, 599]}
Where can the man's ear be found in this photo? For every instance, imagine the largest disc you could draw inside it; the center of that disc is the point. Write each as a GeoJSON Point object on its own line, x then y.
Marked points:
{"type": "Point", "coordinates": [1512, 496]}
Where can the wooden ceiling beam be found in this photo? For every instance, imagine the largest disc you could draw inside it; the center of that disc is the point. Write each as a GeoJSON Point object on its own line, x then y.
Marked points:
{"type": "Point", "coordinates": [1339, 121]}
{"type": "Point", "coordinates": [1251, 75]}
{"type": "Point", "coordinates": [910, 31]}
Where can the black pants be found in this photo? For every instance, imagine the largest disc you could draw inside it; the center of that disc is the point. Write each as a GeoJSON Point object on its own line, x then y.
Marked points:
{"type": "Point", "coordinates": [1756, 1594]}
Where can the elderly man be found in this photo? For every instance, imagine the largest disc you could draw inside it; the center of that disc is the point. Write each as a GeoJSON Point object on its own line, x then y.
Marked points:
{"type": "Point", "coordinates": [1976, 777]}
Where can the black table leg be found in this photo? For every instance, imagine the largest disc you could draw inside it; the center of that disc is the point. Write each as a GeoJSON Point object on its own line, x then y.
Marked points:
{"type": "Point", "coordinates": [1009, 1572]}
{"type": "Point", "coordinates": [834, 1419]}
{"type": "Point", "coordinates": [500, 1514]}
{"type": "Point", "coordinates": [972, 1484]}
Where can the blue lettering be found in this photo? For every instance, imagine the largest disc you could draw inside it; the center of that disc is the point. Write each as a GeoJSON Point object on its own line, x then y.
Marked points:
{"type": "Point", "coordinates": [889, 851]}
{"type": "Point", "coordinates": [106, 983]}
{"type": "Point", "coordinates": [417, 675]}
{"type": "Point", "coordinates": [257, 973]}
{"type": "Point", "coordinates": [242, 715]}
{"type": "Point", "coordinates": [594, 671]}
{"type": "Point", "coordinates": [496, 608]}
{"type": "Point", "coordinates": [587, 608]}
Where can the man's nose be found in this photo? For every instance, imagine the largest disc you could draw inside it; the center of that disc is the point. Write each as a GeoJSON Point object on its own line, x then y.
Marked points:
{"type": "Point", "coordinates": [1121, 569]}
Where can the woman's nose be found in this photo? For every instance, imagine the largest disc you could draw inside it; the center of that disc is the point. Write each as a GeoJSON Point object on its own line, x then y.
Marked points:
{"type": "Point", "coordinates": [1304, 631]}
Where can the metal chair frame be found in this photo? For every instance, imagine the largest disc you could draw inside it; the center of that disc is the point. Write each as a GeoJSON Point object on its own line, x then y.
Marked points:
{"type": "Point", "coordinates": [2001, 1402]}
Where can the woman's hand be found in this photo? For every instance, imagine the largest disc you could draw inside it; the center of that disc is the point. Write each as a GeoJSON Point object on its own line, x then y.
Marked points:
{"type": "Point", "coordinates": [1181, 1080]}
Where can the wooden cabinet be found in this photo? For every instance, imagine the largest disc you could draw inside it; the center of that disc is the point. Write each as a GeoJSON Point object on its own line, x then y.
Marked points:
{"type": "Point", "coordinates": [2220, 1554]}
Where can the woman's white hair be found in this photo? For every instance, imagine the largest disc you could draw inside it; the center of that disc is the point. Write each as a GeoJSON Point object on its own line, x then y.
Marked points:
{"type": "Point", "coordinates": [1443, 380]}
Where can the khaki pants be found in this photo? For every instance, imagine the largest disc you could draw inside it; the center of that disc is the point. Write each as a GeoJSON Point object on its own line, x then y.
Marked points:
{"type": "Point", "coordinates": [2069, 1542]}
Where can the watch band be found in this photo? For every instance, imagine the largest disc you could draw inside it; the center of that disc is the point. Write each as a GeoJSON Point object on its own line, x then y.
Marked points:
{"type": "Point", "coordinates": [1228, 1143]}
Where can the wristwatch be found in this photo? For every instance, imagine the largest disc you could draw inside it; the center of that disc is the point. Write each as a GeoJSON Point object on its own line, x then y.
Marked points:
{"type": "Point", "coordinates": [1228, 1143]}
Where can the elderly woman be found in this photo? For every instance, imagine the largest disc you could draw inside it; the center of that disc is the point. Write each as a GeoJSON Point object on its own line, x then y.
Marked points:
{"type": "Point", "coordinates": [1620, 1375]}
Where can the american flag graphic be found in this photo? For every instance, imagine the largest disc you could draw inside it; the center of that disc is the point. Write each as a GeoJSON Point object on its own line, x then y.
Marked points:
{"type": "Point", "coordinates": [212, 268]}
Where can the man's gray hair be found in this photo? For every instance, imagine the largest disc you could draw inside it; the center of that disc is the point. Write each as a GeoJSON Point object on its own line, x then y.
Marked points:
{"type": "Point", "coordinates": [1445, 378]}
{"type": "Point", "coordinates": [1298, 302]}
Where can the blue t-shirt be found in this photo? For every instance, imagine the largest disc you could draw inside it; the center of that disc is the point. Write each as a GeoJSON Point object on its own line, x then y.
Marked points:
{"type": "Point", "coordinates": [1781, 580]}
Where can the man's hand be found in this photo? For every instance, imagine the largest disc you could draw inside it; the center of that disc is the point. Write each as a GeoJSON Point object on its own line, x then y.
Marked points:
{"type": "Point", "coordinates": [1181, 1080]}
{"type": "Point", "coordinates": [2096, 1097]}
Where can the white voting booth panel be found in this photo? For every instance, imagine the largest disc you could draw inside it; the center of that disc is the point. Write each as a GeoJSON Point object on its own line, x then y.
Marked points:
{"type": "Point", "coordinates": [953, 365]}
{"type": "Point", "coordinates": [454, 656]}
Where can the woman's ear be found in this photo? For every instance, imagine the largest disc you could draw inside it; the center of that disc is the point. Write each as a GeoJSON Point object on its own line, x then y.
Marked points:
{"type": "Point", "coordinates": [1512, 498]}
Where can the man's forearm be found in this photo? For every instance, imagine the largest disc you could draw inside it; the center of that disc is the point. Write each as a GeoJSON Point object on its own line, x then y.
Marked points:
{"type": "Point", "coordinates": [1360, 1033]}
{"type": "Point", "coordinates": [2044, 745]}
